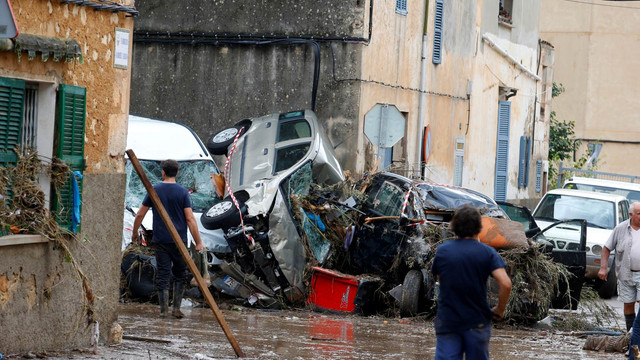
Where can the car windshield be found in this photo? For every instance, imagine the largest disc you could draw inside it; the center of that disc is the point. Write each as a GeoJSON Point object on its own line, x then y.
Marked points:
{"type": "Point", "coordinates": [632, 195]}
{"type": "Point", "coordinates": [598, 213]}
{"type": "Point", "coordinates": [194, 175]}
{"type": "Point", "coordinates": [445, 198]}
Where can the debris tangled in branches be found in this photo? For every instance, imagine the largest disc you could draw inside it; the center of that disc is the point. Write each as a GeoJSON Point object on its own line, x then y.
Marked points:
{"type": "Point", "coordinates": [24, 210]}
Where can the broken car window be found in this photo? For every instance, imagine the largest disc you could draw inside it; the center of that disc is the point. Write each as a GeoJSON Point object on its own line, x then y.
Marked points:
{"type": "Point", "coordinates": [388, 199]}
{"type": "Point", "coordinates": [193, 175]}
{"type": "Point", "coordinates": [288, 156]}
{"type": "Point", "coordinates": [296, 129]}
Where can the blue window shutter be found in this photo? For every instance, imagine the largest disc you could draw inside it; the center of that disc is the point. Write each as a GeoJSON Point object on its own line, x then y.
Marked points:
{"type": "Point", "coordinates": [502, 151]}
{"type": "Point", "coordinates": [522, 165]}
{"type": "Point", "coordinates": [527, 160]}
{"type": "Point", "coordinates": [437, 32]}
{"type": "Point", "coordinates": [401, 7]}
{"type": "Point", "coordinates": [538, 176]}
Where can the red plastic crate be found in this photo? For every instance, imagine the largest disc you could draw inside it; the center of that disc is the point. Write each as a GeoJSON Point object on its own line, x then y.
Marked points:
{"type": "Point", "coordinates": [331, 290]}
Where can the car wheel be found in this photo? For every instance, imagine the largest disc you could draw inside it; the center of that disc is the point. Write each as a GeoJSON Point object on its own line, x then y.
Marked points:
{"type": "Point", "coordinates": [609, 288]}
{"type": "Point", "coordinates": [411, 293]}
{"type": "Point", "coordinates": [220, 141]}
{"type": "Point", "coordinates": [222, 215]}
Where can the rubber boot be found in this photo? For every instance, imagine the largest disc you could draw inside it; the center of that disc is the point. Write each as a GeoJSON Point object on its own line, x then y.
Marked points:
{"type": "Point", "coordinates": [178, 293]}
{"type": "Point", "coordinates": [163, 299]}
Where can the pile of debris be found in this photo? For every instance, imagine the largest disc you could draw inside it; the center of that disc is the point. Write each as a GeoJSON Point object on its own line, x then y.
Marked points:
{"type": "Point", "coordinates": [23, 209]}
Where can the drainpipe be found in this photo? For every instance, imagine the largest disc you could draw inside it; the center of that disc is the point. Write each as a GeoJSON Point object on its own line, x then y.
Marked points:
{"type": "Point", "coordinates": [423, 94]}
{"type": "Point", "coordinates": [506, 55]}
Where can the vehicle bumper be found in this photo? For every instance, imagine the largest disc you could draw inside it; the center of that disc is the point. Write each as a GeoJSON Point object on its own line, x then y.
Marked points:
{"type": "Point", "coordinates": [593, 266]}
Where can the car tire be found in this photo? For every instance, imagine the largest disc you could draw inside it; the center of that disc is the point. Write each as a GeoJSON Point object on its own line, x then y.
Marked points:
{"type": "Point", "coordinates": [412, 288]}
{"type": "Point", "coordinates": [609, 288]}
{"type": "Point", "coordinates": [219, 143]}
{"type": "Point", "coordinates": [223, 215]}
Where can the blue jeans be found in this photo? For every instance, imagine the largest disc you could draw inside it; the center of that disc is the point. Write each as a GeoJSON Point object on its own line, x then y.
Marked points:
{"type": "Point", "coordinates": [474, 343]}
{"type": "Point", "coordinates": [635, 335]}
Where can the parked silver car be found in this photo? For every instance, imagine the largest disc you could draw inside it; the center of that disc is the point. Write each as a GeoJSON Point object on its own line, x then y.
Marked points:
{"type": "Point", "coordinates": [275, 156]}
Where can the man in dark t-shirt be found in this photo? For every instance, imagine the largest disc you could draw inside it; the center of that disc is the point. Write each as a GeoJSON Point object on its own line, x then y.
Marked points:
{"type": "Point", "coordinates": [462, 267]}
{"type": "Point", "coordinates": [176, 201]}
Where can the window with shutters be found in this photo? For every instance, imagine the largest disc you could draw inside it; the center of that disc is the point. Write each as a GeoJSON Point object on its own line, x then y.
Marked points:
{"type": "Point", "coordinates": [502, 151]}
{"type": "Point", "coordinates": [29, 120]}
{"type": "Point", "coordinates": [538, 176]}
{"type": "Point", "coordinates": [401, 7]}
{"type": "Point", "coordinates": [437, 32]}
{"type": "Point", "coordinates": [523, 163]}
{"type": "Point", "coordinates": [458, 162]}
{"type": "Point", "coordinates": [70, 118]}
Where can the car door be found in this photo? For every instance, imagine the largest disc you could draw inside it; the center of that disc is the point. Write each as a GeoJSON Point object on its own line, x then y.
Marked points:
{"type": "Point", "coordinates": [566, 240]}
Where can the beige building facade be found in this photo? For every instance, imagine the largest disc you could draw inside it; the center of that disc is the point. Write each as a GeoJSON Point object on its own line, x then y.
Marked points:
{"type": "Point", "coordinates": [488, 73]}
{"type": "Point", "coordinates": [597, 47]}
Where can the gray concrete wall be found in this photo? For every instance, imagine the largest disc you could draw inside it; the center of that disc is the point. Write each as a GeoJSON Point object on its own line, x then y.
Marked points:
{"type": "Point", "coordinates": [209, 87]}
{"type": "Point", "coordinates": [276, 17]}
{"type": "Point", "coordinates": [41, 295]}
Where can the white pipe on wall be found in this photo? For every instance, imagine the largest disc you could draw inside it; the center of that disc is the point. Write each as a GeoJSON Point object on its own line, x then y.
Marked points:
{"type": "Point", "coordinates": [502, 52]}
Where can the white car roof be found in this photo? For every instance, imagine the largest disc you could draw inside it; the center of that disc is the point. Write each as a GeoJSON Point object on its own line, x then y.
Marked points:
{"type": "Point", "coordinates": [609, 183]}
{"type": "Point", "coordinates": [588, 194]}
{"type": "Point", "coordinates": [152, 139]}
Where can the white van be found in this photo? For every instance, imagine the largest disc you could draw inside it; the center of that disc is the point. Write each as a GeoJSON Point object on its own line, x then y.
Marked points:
{"type": "Point", "coordinates": [153, 141]}
{"type": "Point", "coordinates": [629, 190]}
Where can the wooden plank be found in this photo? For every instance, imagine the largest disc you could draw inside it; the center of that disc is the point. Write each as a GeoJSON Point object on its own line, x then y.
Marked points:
{"type": "Point", "coordinates": [22, 239]}
{"type": "Point", "coordinates": [183, 251]}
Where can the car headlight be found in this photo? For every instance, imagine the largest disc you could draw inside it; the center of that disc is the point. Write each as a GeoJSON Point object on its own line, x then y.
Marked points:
{"type": "Point", "coordinates": [596, 250]}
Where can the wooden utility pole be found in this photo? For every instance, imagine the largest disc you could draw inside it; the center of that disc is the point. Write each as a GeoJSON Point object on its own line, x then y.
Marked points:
{"type": "Point", "coordinates": [183, 251]}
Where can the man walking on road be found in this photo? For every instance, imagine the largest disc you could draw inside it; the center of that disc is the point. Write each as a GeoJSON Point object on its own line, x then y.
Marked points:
{"type": "Point", "coordinates": [625, 240]}
{"type": "Point", "coordinates": [176, 201]}
{"type": "Point", "coordinates": [462, 266]}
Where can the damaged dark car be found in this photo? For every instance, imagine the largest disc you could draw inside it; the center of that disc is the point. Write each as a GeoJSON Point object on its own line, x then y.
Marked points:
{"type": "Point", "coordinates": [408, 219]}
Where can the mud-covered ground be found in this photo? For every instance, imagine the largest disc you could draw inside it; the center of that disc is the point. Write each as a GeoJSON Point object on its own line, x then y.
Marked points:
{"type": "Point", "coordinates": [310, 335]}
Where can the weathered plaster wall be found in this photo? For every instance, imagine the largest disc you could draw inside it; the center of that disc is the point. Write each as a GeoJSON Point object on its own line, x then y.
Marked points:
{"type": "Point", "coordinates": [467, 58]}
{"type": "Point", "coordinates": [493, 72]}
{"type": "Point", "coordinates": [209, 87]}
{"type": "Point", "coordinates": [41, 298]}
{"type": "Point", "coordinates": [393, 58]}
{"type": "Point", "coordinates": [597, 52]}
{"type": "Point", "coordinates": [448, 109]}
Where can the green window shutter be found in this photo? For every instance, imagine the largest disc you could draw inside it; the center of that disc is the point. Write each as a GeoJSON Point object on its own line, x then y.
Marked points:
{"type": "Point", "coordinates": [11, 114]}
{"type": "Point", "coordinates": [71, 113]}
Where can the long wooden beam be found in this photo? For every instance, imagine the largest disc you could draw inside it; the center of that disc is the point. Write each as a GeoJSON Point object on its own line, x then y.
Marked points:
{"type": "Point", "coordinates": [183, 251]}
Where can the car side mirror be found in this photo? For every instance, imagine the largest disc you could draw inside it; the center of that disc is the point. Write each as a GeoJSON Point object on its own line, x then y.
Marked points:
{"type": "Point", "coordinates": [532, 232]}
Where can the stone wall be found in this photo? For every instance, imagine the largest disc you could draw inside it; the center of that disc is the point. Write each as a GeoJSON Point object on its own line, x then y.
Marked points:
{"type": "Point", "coordinates": [214, 84]}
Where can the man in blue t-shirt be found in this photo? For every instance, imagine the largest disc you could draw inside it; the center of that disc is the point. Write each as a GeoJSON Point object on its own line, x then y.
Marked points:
{"type": "Point", "coordinates": [462, 267]}
{"type": "Point", "coordinates": [176, 201]}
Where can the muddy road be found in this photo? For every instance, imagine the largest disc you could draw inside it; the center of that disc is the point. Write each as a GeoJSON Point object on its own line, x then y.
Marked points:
{"type": "Point", "coordinates": [309, 335]}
